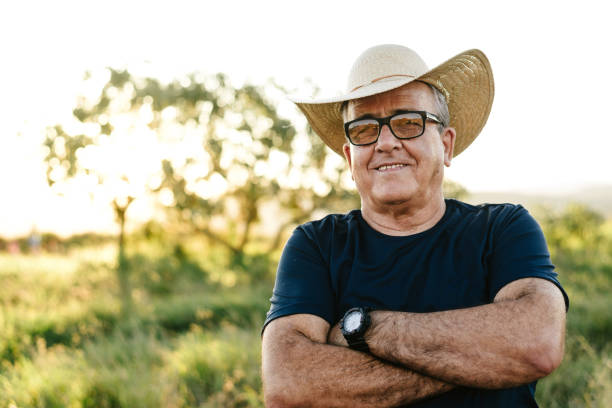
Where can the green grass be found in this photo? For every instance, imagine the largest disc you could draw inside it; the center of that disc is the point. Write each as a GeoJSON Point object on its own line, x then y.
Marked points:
{"type": "Point", "coordinates": [191, 341]}
{"type": "Point", "coordinates": [584, 378]}
{"type": "Point", "coordinates": [138, 367]}
{"type": "Point", "coordinates": [193, 337]}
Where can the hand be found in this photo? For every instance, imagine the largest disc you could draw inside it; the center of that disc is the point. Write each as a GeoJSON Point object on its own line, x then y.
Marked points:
{"type": "Point", "coordinates": [335, 336]}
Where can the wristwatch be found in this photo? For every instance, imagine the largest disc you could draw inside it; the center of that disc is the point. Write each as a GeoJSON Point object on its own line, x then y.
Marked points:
{"type": "Point", "coordinates": [354, 325]}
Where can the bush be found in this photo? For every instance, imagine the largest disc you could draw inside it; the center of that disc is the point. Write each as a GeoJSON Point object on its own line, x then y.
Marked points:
{"type": "Point", "coordinates": [582, 250]}
{"type": "Point", "coordinates": [219, 370]}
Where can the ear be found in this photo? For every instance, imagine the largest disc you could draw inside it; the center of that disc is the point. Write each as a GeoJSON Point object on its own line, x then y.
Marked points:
{"type": "Point", "coordinates": [448, 140]}
{"type": "Point", "coordinates": [346, 149]}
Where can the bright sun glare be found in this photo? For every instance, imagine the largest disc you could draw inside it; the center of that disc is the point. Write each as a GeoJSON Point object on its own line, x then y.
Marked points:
{"type": "Point", "coordinates": [537, 81]}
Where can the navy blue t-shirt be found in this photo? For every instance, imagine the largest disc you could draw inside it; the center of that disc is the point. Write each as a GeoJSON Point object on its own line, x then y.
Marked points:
{"type": "Point", "coordinates": [338, 262]}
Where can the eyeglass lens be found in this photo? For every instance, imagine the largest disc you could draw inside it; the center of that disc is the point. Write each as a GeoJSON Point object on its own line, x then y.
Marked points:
{"type": "Point", "coordinates": [403, 125]}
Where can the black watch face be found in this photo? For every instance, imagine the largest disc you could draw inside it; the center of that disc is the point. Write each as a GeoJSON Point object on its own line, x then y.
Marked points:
{"type": "Point", "coordinates": [352, 322]}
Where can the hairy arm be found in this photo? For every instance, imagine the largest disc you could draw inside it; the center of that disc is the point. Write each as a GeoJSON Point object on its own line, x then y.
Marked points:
{"type": "Point", "coordinates": [300, 370]}
{"type": "Point", "coordinates": [515, 340]}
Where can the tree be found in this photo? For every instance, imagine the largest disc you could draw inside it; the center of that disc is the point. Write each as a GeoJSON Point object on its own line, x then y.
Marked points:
{"type": "Point", "coordinates": [221, 153]}
{"type": "Point", "coordinates": [454, 190]}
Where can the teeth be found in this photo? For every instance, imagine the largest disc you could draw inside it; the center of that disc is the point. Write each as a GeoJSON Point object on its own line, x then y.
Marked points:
{"type": "Point", "coordinates": [391, 166]}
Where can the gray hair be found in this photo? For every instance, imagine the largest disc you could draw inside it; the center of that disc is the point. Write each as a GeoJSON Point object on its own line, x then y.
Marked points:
{"type": "Point", "coordinates": [441, 106]}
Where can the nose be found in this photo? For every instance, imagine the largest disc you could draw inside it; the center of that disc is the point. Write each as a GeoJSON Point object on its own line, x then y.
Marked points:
{"type": "Point", "coordinates": [386, 141]}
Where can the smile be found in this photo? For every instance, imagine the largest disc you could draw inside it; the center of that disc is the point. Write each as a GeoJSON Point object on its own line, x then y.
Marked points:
{"type": "Point", "coordinates": [386, 167]}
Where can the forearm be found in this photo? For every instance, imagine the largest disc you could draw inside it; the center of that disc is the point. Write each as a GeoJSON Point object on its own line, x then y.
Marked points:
{"type": "Point", "coordinates": [301, 372]}
{"type": "Point", "coordinates": [438, 345]}
{"type": "Point", "coordinates": [491, 346]}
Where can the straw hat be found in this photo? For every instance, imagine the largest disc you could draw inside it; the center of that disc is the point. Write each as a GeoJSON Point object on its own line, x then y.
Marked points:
{"type": "Point", "coordinates": [465, 80]}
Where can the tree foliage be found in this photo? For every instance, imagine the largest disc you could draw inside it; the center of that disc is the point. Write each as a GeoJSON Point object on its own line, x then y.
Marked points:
{"type": "Point", "coordinates": [576, 234]}
{"type": "Point", "coordinates": [452, 189]}
{"type": "Point", "coordinates": [223, 154]}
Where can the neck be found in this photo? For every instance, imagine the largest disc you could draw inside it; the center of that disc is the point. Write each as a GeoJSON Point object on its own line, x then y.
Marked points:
{"type": "Point", "coordinates": [405, 218]}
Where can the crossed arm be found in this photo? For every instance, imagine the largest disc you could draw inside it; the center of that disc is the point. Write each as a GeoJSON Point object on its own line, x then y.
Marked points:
{"type": "Point", "coordinates": [515, 340]}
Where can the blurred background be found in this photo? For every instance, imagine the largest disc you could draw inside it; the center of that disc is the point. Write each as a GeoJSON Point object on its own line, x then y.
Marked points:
{"type": "Point", "coordinates": [152, 168]}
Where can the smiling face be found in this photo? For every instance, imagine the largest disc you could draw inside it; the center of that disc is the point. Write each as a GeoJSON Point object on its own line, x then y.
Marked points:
{"type": "Point", "coordinates": [394, 172]}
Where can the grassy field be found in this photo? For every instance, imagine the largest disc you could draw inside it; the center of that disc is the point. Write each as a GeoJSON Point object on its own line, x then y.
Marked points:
{"type": "Point", "coordinates": [192, 339]}
{"type": "Point", "coordinates": [584, 379]}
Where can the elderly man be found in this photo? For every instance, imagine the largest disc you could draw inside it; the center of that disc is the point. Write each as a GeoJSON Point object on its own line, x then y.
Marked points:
{"type": "Point", "coordinates": [413, 299]}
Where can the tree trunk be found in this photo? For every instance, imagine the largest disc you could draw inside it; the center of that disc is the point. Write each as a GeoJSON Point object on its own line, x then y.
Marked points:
{"type": "Point", "coordinates": [125, 290]}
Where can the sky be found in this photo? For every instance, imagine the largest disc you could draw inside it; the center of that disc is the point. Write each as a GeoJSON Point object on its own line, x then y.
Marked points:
{"type": "Point", "coordinates": [547, 131]}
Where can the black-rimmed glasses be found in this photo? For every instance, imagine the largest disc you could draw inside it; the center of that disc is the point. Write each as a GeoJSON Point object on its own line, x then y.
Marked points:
{"type": "Point", "coordinates": [403, 125]}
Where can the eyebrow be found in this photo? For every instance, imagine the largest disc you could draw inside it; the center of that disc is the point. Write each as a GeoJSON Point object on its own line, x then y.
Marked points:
{"type": "Point", "coordinates": [365, 116]}
{"type": "Point", "coordinates": [371, 116]}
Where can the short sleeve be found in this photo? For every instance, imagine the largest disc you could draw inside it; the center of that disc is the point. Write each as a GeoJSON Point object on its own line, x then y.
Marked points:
{"type": "Point", "coordinates": [302, 281]}
{"type": "Point", "coordinates": [520, 251]}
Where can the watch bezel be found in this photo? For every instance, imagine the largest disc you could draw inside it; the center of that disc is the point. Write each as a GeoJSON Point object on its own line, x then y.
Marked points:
{"type": "Point", "coordinates": [364, 323]}
{"type": "Point", "coordinates": [353, 312]}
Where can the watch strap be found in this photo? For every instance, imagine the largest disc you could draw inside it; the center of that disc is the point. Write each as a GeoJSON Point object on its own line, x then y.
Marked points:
{"type": "Point", "coordinates": [359, 344]}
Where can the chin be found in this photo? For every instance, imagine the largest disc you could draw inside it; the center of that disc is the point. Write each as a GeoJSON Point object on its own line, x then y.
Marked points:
{"type": "Point", "coordinates": [394, 199]}
{"type": "Point", "coordinates": [404, 192]}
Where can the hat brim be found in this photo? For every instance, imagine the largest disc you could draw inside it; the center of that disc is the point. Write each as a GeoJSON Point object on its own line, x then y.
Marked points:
{"type": "Point", "coordinates": [466, 81]}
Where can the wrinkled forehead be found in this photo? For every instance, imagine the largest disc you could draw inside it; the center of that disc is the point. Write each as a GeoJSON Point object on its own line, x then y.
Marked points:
{"type": "Point", "coordinates": [412, 96]}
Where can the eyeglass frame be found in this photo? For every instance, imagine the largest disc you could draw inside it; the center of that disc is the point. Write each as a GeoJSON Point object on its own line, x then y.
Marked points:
{"type": "Point", "coordinates": [387, 121]}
